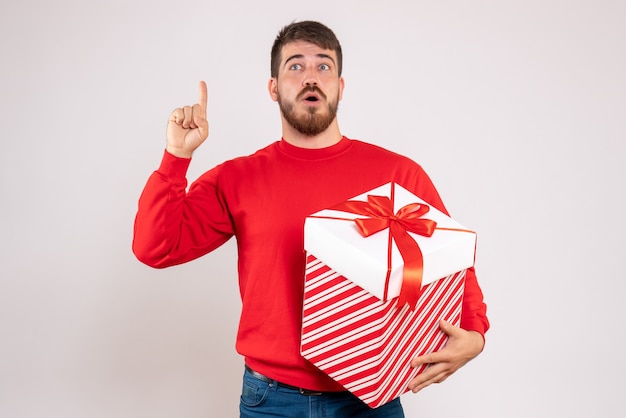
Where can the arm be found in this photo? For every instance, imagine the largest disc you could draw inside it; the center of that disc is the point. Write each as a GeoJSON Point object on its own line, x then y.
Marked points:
{"type": "Point", "coordinates": [171, 225]}
{"type": "Point", "coordinates": [464, 342]}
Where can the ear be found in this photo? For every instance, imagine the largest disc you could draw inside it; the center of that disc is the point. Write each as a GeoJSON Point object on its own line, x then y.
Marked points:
{"type": "Point", "coordinates": [341, 86]}
{"type": "Point", "coordinates": [272, 87]}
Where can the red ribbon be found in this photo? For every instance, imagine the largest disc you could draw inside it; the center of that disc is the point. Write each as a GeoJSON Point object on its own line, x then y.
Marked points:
{"type": "Point", "coordinates": [379, 210]}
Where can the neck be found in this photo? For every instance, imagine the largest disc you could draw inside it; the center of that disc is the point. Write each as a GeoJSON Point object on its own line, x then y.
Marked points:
{"type": "Point", "coordinates": [329, 137]}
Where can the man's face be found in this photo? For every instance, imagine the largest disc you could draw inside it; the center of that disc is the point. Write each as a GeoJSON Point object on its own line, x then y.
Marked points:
{"type": "Point", "coordinates": [308, 87]}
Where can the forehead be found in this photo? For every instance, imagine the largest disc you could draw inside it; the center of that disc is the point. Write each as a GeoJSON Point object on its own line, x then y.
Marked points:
{"type": "Point", "coordinates": [306, 50]}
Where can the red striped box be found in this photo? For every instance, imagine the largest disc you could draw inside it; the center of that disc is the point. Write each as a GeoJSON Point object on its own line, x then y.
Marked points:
{"type": "Point", "coordinates": [354, 327]}
{"type": "Point", "coordinates": [367, 344]}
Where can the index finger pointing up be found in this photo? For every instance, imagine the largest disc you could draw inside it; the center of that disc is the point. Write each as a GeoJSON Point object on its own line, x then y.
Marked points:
{"type": "Point", "coordinates": [202, 101]}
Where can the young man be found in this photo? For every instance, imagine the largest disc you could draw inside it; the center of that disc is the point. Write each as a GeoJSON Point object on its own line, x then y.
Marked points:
{"type": "Point", "coordinates": [262, 200]}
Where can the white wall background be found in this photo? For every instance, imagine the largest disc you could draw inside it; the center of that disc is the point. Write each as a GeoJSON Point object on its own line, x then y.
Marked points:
{"type": "Point", "coordinates": [517, 109]}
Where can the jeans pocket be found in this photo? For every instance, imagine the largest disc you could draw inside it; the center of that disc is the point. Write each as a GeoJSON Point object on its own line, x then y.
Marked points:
{"type": "Point", "coordinates": [254, 392]}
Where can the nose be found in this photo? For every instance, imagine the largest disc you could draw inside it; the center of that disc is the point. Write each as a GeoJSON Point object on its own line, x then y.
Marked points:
{"type": "Point", "coordinates": [309, 79]}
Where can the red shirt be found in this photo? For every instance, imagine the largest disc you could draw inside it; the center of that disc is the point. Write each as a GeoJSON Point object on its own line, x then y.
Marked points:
{"type": "Point", "coordinates": [263, 200]}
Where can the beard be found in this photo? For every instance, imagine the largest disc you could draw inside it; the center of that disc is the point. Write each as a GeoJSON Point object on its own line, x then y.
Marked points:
{"type": "Point", "coordinates": [311, 122]}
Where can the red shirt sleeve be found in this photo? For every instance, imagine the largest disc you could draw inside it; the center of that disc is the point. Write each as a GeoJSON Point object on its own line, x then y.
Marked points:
{"type": "Point", "coordinates": [173, 226]}
{"type": "Point", "coordinates": [474, 314]}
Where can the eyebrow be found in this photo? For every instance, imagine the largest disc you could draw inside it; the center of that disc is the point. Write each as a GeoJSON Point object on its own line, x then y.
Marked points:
{"type": "Point", "coordinates": [298, 56]}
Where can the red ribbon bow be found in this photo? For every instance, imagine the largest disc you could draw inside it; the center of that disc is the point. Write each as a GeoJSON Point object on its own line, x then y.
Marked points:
{"type": "Point", "coordinates": [379, 210]}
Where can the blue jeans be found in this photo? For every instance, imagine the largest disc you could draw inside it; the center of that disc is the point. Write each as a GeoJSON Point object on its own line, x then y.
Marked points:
{"type": "Point", "coordinates": [263, 399]}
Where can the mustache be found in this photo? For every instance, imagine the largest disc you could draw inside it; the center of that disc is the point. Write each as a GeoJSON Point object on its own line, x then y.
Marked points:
{"type": "Point", "coordinates": [311, 89]}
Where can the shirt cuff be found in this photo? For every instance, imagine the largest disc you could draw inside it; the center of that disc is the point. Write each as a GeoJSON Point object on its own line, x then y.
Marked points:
{"type": "Point", "coordinates": [174, 168]}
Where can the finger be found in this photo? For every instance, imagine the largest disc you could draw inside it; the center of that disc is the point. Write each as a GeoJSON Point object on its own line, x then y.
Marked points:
{"type": "Point", "coordinates": [420, 383]}
{"type": "Point", "coordinates": [448, 328]}
{"type": "Point", "coordinates": [194, 116]}
{"type": "Point", "coordinates": [188, 116]}
{"type": "Point", "coordinates": [433, 374]}
{"type": "Point", "coordinates": [177, 116]}
{"type": "Point", "coordinates": [426, 359]}
{"type": "Point", "coordinates": [426, 383]}
{"type": "Point", "coordinates": [199, 117]}
{"type": "Point", "coordinates": [202, 101]}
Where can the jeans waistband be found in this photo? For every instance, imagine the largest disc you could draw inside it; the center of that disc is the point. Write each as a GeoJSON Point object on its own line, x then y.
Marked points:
{"type": "Point", "coordinates": [302, 391]}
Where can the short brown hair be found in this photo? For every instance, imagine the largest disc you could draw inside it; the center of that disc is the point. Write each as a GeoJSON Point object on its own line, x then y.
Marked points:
{"type": "Point", "coordinates": [308, 31]}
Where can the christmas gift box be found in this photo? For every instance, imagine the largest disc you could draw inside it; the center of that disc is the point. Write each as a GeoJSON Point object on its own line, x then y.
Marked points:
{"type": "Point", "coordinates": [382, 270]}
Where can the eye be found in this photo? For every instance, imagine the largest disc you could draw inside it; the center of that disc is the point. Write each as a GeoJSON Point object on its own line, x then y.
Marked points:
{"type": "Point", "coordinates": [295, 67]}
{"type": "Point", "coordinates": [324, 67]}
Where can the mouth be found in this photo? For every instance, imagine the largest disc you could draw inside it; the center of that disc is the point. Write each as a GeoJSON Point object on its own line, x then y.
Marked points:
{"type": "Point", "coordinates": [311, 99]}
{"type": "Point", "coordinates": [312, 95]}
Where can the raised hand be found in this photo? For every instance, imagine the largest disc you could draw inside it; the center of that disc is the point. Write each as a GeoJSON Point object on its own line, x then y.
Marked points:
{"type": "Point", "coordinates": [188, 127]}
